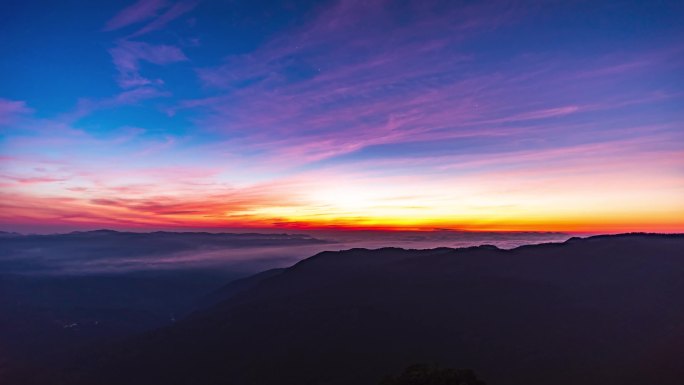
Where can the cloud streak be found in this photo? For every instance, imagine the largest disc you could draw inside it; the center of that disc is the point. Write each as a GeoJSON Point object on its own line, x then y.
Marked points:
{"type": "Point", "coordinates": [175, 11]}
{"type": "Point", "coordinates": [135, 13]}
{"type": "Point", "coordinates": [128, 55]}
{"type": "Point", "coordinates": [341, 85]}
{"type": "Point", "coordinates": [11, 109]}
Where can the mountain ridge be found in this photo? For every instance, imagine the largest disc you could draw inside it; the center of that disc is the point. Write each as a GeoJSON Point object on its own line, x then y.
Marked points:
{"type": "Point", "coordinates": [522, 315]}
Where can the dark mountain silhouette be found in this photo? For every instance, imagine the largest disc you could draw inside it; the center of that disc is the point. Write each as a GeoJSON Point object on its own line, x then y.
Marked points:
{"type": "Point", "coordinates": [231, 289]}
{"type": "Point", "coordinates": [45, 319]}
{"type": "Point", "coordinates": [600, 310]}
{"type": "Point", "coordinates": [61, 293]}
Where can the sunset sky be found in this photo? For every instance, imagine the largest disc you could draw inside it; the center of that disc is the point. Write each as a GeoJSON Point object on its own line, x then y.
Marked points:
{"type": "Point", "coordinates": [502, 115]}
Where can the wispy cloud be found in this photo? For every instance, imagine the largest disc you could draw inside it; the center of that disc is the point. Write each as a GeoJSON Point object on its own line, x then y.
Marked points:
{"type": "Point", "coordinates": [158, 13]}
{"type": "Point", "coordinates": [138, 12]}
{"type": "Point", "coordinates": [11, 109]}
{"type": "Point", "coordinates": [357, 77]}
{"type": "Point", "coordinates": [175, 11]}
{"type": "Point", "coordinates": [128, 55]}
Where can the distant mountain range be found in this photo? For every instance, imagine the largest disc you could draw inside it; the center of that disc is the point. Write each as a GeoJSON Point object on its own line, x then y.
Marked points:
{"type": "Point", "coordinates": [599, 310]}
{"type": "Point", "coordinates": [108, 251]}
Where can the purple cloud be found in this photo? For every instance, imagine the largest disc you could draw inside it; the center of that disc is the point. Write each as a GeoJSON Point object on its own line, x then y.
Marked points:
{"type": "Point", "coordinates": [127, 56]}
{"type": "Point", "coordinates": [354, 77]}
{"type": "Point", "coordinates": [140, 11]}
{"type": "Point", "coordinates": [171, 14]}
{"type": "Point", "coordinates": [10, 109]}
{"type": "Point", "coordinates": [357, 77]}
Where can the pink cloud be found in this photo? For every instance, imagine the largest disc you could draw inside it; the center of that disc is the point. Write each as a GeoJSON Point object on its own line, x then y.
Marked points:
{"type": "Point", "coordinates": [354, 77]}
{"type": "Point", "coordinates": [85, 107]}
{"type": "Point", "coordinates": [140, 11]}
{"type": "Point", "coordinates": [145, 205]}
{"type": "Point", "coordinates": [11, 109]}
{"type": "Point", "coordinates": [368, 80]}
{"type": "Point", "coordinates": [540, 114]}
{"type": "Point", "coordinates": [37, 179]}
{"type": "Point", "coordinates": [176, 11]}
{"type": "Point", "coordinates": [127, 56]}
{"type": "Point", "coordinates": [634, 62]}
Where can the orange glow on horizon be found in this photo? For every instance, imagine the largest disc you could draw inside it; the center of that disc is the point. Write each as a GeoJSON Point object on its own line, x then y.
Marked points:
{"type": "Point", "coordinates": [595, 198]}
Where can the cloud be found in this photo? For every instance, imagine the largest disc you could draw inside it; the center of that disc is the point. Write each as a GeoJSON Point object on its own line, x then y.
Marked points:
{"type": "Point", "coordinates": [128, 55]}
{"type": "Point", "coordinates": [33, 180]}
{"type": "Point", "coordinates": [11, 109]}
{"type": "Point", "coordinates": [85, 107]}
{"type": "Point", "coordinates": [176, 11]}
{"type": "Point", "coordinates": [355, 77]}
{"type": "Point", "coordinates": [140, 11]}
{"type": "Point", "coordinates": [540, 114]}
{"type": "Point", "coordinates": [161, 12]}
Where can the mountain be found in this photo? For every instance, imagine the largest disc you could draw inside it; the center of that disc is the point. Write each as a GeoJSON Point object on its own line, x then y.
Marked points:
{"type": "Point", "coordinates": [109, 251]}
{"type": "Point", "coordinates": [233, 288]}
{"type": "Point", "coordinates": [598, 310]}
{"type": "Point", "coordinates": [61, 293]}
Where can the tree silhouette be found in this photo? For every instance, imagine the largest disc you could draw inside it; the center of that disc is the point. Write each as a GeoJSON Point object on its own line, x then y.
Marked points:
{"type": "Point", "coordinates": [422, 374]}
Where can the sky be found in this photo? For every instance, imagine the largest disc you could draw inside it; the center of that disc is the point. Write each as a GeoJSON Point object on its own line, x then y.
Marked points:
{"type": "Point", "coordinates": [348, 114]}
